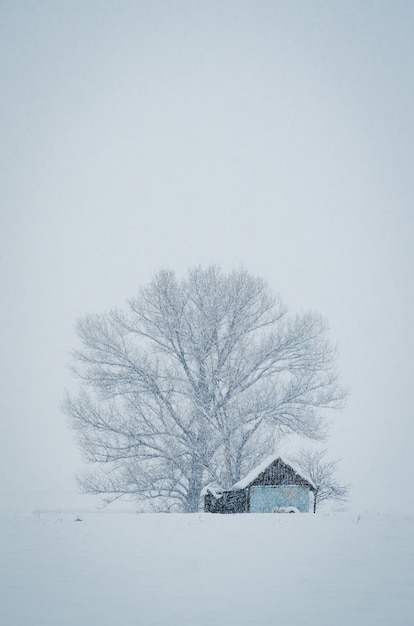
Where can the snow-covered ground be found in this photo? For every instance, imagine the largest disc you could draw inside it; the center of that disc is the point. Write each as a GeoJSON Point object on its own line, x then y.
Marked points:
{"type": "Point", "coordinates": [145, 570]}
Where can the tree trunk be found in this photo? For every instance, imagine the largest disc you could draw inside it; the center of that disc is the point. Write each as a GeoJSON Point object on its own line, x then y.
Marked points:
{"type": "Point", "coordinates": [229, 478]}
{"type": "Point", "coordinates": [195, 485]}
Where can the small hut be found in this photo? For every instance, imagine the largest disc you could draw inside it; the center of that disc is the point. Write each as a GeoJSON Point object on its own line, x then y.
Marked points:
{"type": "Point", "coordinates": [272, 487]}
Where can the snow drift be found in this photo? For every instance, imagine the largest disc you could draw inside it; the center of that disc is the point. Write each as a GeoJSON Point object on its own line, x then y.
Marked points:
{"type": "Point", "coordinates": [155, 570]}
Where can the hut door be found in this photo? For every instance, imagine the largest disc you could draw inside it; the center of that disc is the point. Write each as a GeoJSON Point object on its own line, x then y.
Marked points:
{"type": "Point", "coordinates": [268, 499]}
{"type": "Point", "coordinates": [263, 499]}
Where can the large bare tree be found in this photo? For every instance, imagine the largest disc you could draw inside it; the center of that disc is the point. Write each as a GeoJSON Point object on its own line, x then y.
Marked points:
{"type": "Point", "coordinates": [194, 383]}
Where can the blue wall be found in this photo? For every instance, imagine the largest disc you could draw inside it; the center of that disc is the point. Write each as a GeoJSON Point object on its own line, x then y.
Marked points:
{"type": "Point", "coordinates": [266, 499]}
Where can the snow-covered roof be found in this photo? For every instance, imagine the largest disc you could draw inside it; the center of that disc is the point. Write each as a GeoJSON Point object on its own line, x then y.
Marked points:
{"type": "Point", "coordinates": [215, 490]}
{"type": "Point", "coordinates": [259, 469]}
{"type": "Point", "coordinates": [306, 477]}
{"type": "Point", "coordinates": [218, 491]}
{"type": "Point", "coordinates": [251, 476]}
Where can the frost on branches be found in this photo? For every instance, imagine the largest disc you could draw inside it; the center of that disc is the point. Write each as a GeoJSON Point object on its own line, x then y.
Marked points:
{"type": "Point", "coordinates": [194, 383]}
{"type": "Point", "coordinates": [322, 475]}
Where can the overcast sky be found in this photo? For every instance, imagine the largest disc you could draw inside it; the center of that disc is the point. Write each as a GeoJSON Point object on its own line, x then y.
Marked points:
{"type": "Point", "coordinates": [276, 135]}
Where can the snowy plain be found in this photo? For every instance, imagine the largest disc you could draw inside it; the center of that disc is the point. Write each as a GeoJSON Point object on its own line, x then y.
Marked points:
{"type": "Point", "coordinates": [131, 569]}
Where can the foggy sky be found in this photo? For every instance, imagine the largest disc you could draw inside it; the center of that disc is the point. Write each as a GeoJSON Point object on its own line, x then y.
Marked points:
{"type": "Point", "coordinates": [273, 135]}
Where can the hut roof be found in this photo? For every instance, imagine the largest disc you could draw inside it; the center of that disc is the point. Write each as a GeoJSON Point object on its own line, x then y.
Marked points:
{"type": "Point", "coordinates": [262, 467]}
{"type": "Point", "coordinates": [214, 489]}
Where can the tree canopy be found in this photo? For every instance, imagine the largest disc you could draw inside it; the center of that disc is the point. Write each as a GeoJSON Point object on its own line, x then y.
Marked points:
{"type": "Point", "coordinates": [194, 383]}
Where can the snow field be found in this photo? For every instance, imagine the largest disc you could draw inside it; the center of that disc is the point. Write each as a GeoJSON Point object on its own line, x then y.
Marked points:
{"type": "Point", "coordinates": [202, 569]}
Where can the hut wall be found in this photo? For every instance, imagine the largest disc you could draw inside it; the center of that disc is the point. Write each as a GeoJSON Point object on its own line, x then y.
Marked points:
{"type": "Point", "coordinates": [229, 502]}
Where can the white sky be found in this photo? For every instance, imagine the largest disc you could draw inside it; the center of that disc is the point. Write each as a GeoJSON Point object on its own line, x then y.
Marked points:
{"type": "Point", "coordinates": [277, 135]}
